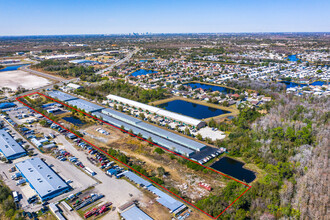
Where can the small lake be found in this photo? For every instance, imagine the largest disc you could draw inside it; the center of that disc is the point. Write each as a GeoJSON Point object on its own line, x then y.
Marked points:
{"type": "Point", "coordinates": [210, 87]}
{"type": "Point", "coordinates": [192, 109]}
{"type": "Point", "coordinates": [318, 83]}
{"type": "Point", "coordinates": [293, 84]}
{"type": "Point", "coordinates": [234, 168]}
{"type": "Point", "coordinates": [292, 58]}
{"type": "Point", "coordinates": [143, 72]}
{"type": "Point", "coordinates": [73, 120]}
{"type": "Point", "coordinates": [11, 68]}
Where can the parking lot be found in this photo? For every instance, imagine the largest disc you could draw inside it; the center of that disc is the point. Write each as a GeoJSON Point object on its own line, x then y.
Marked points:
{"type": "Point", "coordinates": [80, 180]}
{"type": "Point", "coordinates": [117, 191]}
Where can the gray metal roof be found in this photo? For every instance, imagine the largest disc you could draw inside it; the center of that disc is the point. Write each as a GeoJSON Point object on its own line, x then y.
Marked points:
{"type": "Point", "coordinates": [166, 200]}
{"type": "Point", "coordinates": [146, 134]}
{"type": "Point", "coordinates": [121, 116]}
{"type": "Point", "coordinates": [155, 130]}
{"type": "Point", "coordinates": [159, 111]}
{"type": "Point", "coordinates": [41, 177]}
{"type": "Point", "coordinates": [61, 96]}
{"type": "Point", "coordinates": [9, 147]}
{"type": "Point", "coordinates": [134, 213]}
{"type": "Point", "coordinates": [136, 179]}
{"type": "Point", "coordinates": [172, 136]}
{"type": "Point", "coordinates": [83, 104]}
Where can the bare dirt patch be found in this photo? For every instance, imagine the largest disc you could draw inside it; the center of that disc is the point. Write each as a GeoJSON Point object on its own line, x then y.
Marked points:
{"type": "Point", "coordinates": [19, 78]}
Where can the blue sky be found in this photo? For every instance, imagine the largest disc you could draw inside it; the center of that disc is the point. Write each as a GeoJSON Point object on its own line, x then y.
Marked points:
{"type": "Point", "coordinates": [55, 17]}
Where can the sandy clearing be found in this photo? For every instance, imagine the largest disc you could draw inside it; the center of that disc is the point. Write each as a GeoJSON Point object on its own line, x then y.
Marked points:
{"type": "Point", "coordinates": [16, 78]}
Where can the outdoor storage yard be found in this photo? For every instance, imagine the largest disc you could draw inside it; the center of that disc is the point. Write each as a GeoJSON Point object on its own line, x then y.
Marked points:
{"type": "Point", "coordinates": [177, 174]}
{"type": "Point", "coordinates": [141, 153]}
{"type": "Point", "coordinates": [26, 80]}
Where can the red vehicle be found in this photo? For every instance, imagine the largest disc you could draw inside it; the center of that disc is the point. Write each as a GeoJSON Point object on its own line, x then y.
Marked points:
{"type": "Point", "coordinates": [205, 186]}
{"type": "Point", "coordinates": [103, 209]}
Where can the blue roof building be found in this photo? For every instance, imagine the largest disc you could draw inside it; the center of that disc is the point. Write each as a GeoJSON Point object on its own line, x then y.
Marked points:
{"type": "Point", "coordinates": [42, 178]}
{"type": "Point", "coordinates": [7, 105]}
{"type": "Point", "coordinates": [9, 147]}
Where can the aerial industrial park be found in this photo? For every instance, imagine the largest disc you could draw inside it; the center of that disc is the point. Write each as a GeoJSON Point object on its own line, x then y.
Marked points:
{"type": "Point", "coordinates": [200, 117]}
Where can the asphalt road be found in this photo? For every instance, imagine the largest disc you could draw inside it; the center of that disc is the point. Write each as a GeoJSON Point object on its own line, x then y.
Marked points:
{"type": "Point", "coordinates": [129, 56]}
{"type": "Point", "coordinates": [52, 77]}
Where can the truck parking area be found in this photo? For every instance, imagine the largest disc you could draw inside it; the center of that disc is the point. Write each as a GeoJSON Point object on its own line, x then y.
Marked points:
{"type": "Point", "coordinates": [116, 191]}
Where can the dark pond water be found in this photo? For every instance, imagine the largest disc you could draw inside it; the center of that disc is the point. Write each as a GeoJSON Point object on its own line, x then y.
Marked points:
{"type": "Point", "coordinates": [11, 68]}
{"type": "Point", "coordinates": [73, 120]}
{"type": "Point", "coordinates": [210, 87]}
{"type": "Point", "coordinates": [234, 168]}
{"type": "Point", "coordinates": [143, 72]}
{"type": "Point", "coordinates": [192, 109]}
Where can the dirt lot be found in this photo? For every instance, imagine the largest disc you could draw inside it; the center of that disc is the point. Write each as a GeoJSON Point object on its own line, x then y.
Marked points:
{"type": "Point", "coordinates": [14, 79]}
{"type": "Point", "coordinates": [178, 175]}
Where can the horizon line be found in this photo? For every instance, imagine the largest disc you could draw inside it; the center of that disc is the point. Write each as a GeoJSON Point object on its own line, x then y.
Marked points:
{"type": "Point", "coordinates": [170, 33]}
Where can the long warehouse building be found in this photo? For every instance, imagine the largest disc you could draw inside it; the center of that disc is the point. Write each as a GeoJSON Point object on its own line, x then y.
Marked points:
{"type": "Point", "coordinates": [42, 178]}
{"type": "Point", "coordinates": [175, 116]}
{"type": "Point", "coordinates": [167, 139]}
{"type": "Point", "coordinates": [9, 147]}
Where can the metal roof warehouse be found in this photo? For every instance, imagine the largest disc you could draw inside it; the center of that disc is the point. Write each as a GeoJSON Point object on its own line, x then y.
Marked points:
{"type": "Point", "coordinates": [42, 178]}
{"type": "Point", "coordinates": [178, 117]}
{"type": "Point", "coordinates": [61, 96]}
{"type": "Point", "coordinates": [170, 140]}
{"type": "Point", "coordinates": [164, 199]}
{"type": "Point", "coordinates": [85, 105]}
{"type": "Point", "coordinates": [134, 213]}
{"type": "Point", "coordinates": [9, 147]}
{"type": "Point", "coordinates": [145, 134]}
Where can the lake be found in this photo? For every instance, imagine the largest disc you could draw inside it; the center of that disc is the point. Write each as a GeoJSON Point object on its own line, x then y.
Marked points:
{"type": "Point", "coordinates": [293, 84]}
{"type": "Point", "coordinates": [11, 68]}
{"type": "Point", "coordinates": [191, 109]}
{"type": "Point", "coordinates": [234, 168]}
{"type": "Point", "coordinates": [293, 58]}
{"type": "Point", "coordinates": [210, 87]}
{"type": "Point", "coordinates": [73, 120]}
{"type": "Point", "coordinates": [142, 72]}
{"type": "Point", "coordinates": [318, 83]}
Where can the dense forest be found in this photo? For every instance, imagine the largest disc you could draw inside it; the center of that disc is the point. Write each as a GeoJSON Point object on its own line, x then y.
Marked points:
{"type": "Point", "coordinates": [122, 89]}
{"type": "Point", "coordinates": [66, 69]}
{"type": "Point", "coordinates": [290, 144]}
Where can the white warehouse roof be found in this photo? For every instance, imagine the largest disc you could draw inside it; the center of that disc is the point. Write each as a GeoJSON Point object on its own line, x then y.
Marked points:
{"type": "Point", "coordinates": [42, 178]}
{"type": "Point", "coordinates": [159, 111]}
{"type": "Point", "coordinates": [9, 147]}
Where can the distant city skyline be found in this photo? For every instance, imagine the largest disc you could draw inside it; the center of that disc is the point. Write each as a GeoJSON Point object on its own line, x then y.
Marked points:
{"type": "Point", "coordinates": [72, 17]}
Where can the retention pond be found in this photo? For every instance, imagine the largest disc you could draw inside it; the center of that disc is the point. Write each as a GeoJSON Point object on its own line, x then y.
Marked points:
{"type": "Point", "coordinates": [210, 87]}
{"type": "Point", "coordinates": [234, 168]}
{"type": "Point", "coordinates": [192, 109]}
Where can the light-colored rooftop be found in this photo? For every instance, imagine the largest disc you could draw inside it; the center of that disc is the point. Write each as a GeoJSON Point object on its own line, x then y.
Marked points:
{"type": "Point", "coordinates": [9, 147]}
